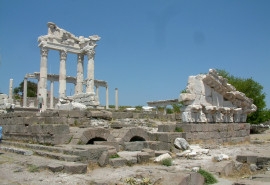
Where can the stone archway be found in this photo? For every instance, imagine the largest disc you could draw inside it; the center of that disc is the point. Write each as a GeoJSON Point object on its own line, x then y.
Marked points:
{"type": "Point", "coordinates": [89, 136]}
{"type": "Point", "coordinates": [135, 134]}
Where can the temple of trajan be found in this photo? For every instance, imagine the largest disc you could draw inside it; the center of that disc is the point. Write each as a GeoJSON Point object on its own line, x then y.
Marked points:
{"type": "Point", "coordinates": [65, 42]}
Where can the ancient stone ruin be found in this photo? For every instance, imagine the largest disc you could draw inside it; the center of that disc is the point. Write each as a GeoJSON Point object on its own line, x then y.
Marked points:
{"type": "Point", "coordinates": [92, 135]}
{"type": "Point", "coordinates": [209, 98]}
{"type": "Point", "coordinates": [65, 42]}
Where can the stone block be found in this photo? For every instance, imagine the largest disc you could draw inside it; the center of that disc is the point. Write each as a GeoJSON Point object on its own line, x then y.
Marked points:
{"type": "Point", "coordinates": [165, 146]}
{"type": "Point", "coordinates": [76, 114]}
{"type": "Point", "coordinates": [63, 113]}
{"type": "Point", "coordinates": [154, 145]}
{"type": "Point", "coordinates": [251, 159]}
{"type": "Point", "coordinates": [117, 162]}
{"type": "Point", "coordinates": [168, 137]}
{"type": "Point", "coordinates": [54, 167]}
{"type": "Point", "coordinates": [108, 143]}
{"type": "Point", "coordinates": [143, 157]}
{"type": "Point", "coordinates": [196, 178]}
{"type": "Point", "coordinates": [134, 146]}
{"type": "Point", "coordinates": [75, 168]}
{"type": "Point", "coordinates": [103, 159]}
{"type": "Point", "coordinates": [241, 158]}
{"type": "Point", "coordinates": [60, 129]}
{"type": "Point", "coordinates": [166, 128]}
{"type": "Point", "coordinates": [149, 151]}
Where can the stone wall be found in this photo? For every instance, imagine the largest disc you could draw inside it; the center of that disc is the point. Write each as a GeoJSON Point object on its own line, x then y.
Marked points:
{"type": "Point", "coordinates": [222, 133]}
{"type": "Point", "coordinates": [62, 127]}
{"type": "Point", "coordinates": [145, 115]}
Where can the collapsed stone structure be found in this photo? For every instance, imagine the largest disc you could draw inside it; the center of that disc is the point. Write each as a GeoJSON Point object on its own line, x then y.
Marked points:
{"type": "Point", "coordinates": [209, 98]}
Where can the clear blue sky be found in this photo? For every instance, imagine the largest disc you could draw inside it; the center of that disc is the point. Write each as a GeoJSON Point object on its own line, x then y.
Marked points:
{"type": "Point", "coordinates": [147, 48]}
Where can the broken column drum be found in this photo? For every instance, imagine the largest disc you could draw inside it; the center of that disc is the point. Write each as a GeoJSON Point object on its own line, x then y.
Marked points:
{"type": "Point", "coordinates": [209, 98]}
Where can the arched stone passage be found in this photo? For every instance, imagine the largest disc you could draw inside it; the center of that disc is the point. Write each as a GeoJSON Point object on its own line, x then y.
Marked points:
{"type": "Point", "coordinates": [135, 134]}
{"type": "Point", "coordinates": [136, 138]}
{"type": "Point", "coordinates": [92, 141]}
{"type": "Point", "coordinates": [89, 135]}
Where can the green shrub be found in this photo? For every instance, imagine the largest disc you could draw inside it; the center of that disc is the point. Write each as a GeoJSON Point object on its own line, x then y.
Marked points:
{"type": "Point", "coordinates": [33, 168]}
{"type": "Point", "coordinates": [208, 177]}
{"type": "Point", "coordinates": [166, 162]}
{"type": "Point", "coordinates": [178, 129]}
{"type": "Point", "coordinates": [114, 156]}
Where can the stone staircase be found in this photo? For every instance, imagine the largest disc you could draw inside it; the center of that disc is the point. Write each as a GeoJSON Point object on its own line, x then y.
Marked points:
{"type": "Point", "coordinates": [67, 158]}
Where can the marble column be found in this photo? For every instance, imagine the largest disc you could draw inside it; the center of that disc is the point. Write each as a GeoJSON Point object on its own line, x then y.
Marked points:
{"type": "Point", "coordinates": [90, 72]}
{"type": "Point", "coordinates": [79, 84]}
{"type": "Point", "coordinates": [51, 97]}
{"type": "Point", "coordinates": [10, 89]}
{"type": "Point", "coordinates": [62, 74]}
{"type": "Point", "coordinates": [107, 97]}
{"type": "Point", "coordinates": [97, 91]}
{"type": "Point", "coordinates": [25, 92]}
{"type": "Point", "coordinates": [116, 98]}
{"type": "Point", "coordinates": [43, 76]}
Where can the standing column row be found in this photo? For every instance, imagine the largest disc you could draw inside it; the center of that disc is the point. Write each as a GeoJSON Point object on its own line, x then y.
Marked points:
{"type": "Point", "coordinates": [42, 84]}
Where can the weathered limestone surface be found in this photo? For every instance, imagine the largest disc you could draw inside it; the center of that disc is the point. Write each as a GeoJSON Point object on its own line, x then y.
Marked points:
{"type": "Point", "coordinates": [209, 98]}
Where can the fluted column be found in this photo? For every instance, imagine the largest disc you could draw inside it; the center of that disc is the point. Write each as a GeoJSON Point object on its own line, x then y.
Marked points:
{"type": "Point", "coordinates": [79, 84]}
{"type": "Point", "coordinates": [90, 72]}
{"type": "Point", "coordinates": [51, 97]}
{"type": "Point", "coordinates": [24, 92]}
{"type": "Point", "coordinates": [43, 76]}
{"type": "Point", "coordinates": [62, 74]}
{"type": "Point", "coordinates": [107, 97]}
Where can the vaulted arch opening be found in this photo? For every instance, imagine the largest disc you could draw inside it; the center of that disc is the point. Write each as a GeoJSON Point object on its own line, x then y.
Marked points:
{"type": "Point", "coordinates": [92, 141]}
{"type": "Point", "coordinates": [136, 138]}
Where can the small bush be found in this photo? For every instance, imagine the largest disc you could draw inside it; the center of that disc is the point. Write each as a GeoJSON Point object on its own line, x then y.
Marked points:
{"type": "Point", "coordinates": [178, 129]}
{"type": "Point", "coordinates": [114, 156]}
{"type": "Point", "coordinates": [166, 162]}
{"type": "Point", "coordinates": [32, 168]}
{"type": "Point", "coordinates": [208, 177]}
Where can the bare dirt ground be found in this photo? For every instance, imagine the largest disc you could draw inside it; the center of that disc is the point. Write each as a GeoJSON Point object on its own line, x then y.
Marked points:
{"type": "Point", "coordinates": [17, 169]}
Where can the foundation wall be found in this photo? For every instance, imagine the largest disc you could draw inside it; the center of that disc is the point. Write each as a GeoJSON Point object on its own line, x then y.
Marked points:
{"type": "Point", "coordinates": [221, 133]}
{"type": "Point", "coordinates": [54, 128]}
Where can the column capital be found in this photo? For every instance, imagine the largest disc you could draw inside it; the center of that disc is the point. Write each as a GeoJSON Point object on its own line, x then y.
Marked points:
{"type": "Point", "coordinates": [44, 51]}
{"type": "Point", "coordinates": [90, 53]}
{"type": "Point", "coordinates": [63, 55]}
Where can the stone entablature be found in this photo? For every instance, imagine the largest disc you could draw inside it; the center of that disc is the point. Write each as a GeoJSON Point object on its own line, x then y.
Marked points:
{"type": "Point", "coordinates": [210, 98]}
{"type": "Point", "coordinates": [62, 40]}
